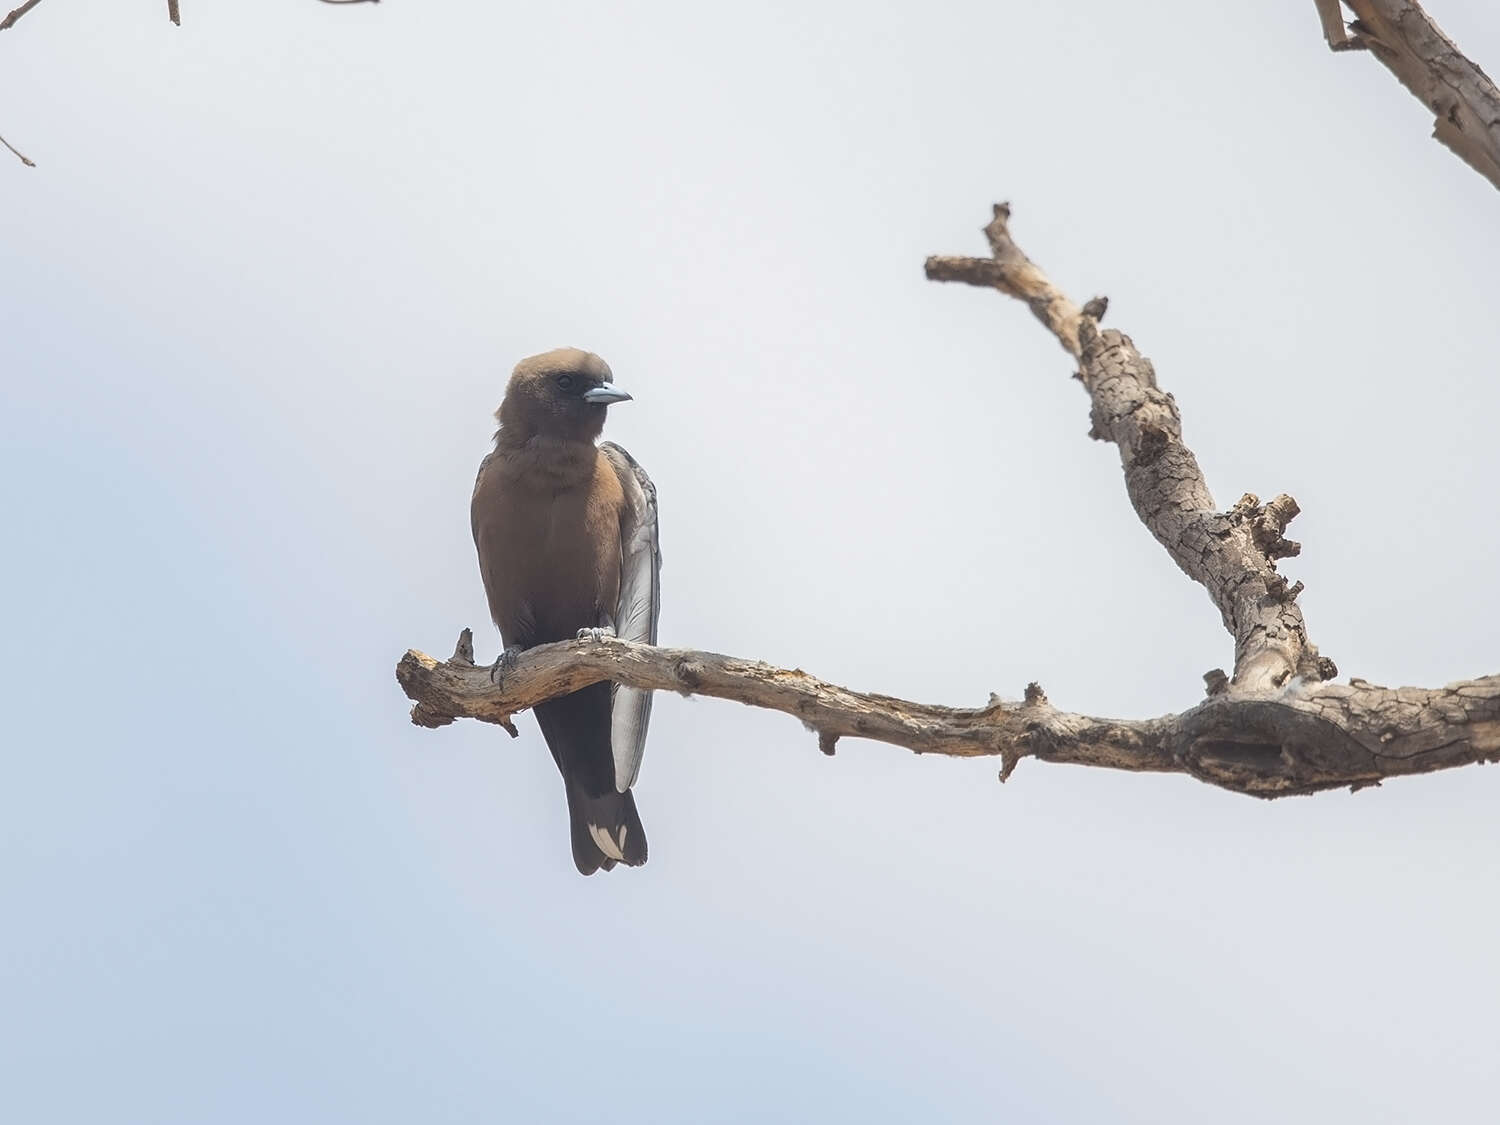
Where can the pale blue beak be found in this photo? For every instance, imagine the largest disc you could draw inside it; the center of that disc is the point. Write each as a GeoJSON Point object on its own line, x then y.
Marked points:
{"type": "Point", "coordinates": [605, 394]}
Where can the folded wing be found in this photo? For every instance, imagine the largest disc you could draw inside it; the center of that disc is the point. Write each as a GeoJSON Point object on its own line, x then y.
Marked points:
{"type": "Point", "coordinates": [638, 609]}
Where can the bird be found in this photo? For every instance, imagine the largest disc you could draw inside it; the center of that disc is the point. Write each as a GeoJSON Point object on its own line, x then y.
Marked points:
{"type": "Point", "coordinates": [566, 533]}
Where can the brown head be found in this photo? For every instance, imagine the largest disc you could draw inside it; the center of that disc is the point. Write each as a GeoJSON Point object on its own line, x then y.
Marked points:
{"type": "Point", "coordinates": [560, 394]}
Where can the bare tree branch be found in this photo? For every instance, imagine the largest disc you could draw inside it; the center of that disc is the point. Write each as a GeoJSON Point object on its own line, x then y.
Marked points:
{"type": "Point", "coordinates": [173, 14]}
{"type": "Point", "coordinates": [1413, 48]}
{"type": "Point", "coordinates": [26, 160]}
{"type": "Point", "coordinates": [1014, 274]}
{"type": "Point", "coordinates": [9, 21]}
{"type": "Point", "coordinates": [1279, 727]}
{"type": "Point", "coordinates": [1314, 737]}
{"type": "Point", "coordinates": [1233, 554]}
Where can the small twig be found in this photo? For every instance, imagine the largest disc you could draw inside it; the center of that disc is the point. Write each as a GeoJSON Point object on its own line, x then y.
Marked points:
{"type": "Point", "coordinates": [351, 1]}
{"type": "Point", "coordinates": [173, 14]}
{"type": "Point", "coordinates": [11, 19]}
{"type": "Point", "coordinates": [1331, 15]}
{"type": "Point", "coordinates": [26, 160]}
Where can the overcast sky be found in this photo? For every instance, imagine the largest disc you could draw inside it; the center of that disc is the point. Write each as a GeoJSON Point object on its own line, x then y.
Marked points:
{"type": "Point", "coordinates": [260, 297]}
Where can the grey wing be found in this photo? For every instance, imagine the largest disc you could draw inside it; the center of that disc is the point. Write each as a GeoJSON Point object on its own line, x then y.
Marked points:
{"type": "Point", "coordinates": [638, 609]}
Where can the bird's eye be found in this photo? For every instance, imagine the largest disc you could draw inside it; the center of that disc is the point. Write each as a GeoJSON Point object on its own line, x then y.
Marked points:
{"type": "Point", "coordinates": [565, 382]}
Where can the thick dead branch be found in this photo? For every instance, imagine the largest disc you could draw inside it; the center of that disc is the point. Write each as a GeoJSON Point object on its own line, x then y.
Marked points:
{"type": "Point", "coordinates": [1307, 738]}
{"type": "Point", "coordinates": [1413, 48]}
{"type": "Point", "coordinates": [1232, 554]}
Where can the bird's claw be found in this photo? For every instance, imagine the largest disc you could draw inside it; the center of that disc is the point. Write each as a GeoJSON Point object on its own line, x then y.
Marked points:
{"type": "Point", "coordinates": [504, 664]}
{"type": "Point", "coordinates": [596, 634]}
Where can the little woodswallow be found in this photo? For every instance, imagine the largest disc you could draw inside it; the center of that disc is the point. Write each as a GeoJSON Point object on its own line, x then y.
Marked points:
{"type": "Point", "coordinates": [566, 534]}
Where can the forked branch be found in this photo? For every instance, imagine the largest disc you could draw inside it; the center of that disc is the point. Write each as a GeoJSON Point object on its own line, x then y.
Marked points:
{"type": "Point", "coordinates": [1278, 727]}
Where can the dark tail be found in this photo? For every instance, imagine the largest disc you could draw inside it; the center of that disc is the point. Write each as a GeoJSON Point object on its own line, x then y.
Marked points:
{"type": "Point", "coordinates": [606, 830]}
{"type": "Point", "coordinates": [606, 827]}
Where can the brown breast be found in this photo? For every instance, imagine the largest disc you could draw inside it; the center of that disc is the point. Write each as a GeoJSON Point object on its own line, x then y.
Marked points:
{"type": "Point", "coordinates": [549, 555]}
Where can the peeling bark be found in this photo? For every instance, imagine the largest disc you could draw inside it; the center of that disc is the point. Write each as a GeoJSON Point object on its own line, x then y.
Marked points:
{"type": "Point", "coordinates": [1411, 46]}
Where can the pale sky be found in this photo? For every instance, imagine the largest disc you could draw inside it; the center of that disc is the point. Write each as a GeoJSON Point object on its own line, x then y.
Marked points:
{"type": "Point", "coordinates": [261, 296]}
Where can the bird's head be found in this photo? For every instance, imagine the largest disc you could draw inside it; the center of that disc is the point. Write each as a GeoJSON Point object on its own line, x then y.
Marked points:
{"type": "Point", "coordinates": [559, 394]}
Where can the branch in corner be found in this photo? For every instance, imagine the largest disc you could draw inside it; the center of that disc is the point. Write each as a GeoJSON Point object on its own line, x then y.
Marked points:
{"type": "Point", "coordinates": [10, 20]}
{"type": "Point", "coordinates": [1424, 60]}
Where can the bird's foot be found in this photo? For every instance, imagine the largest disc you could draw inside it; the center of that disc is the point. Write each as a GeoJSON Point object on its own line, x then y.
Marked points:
{"type": "Point", "coordinates": [504, 664]}
{"type": "Point", "coordinates": [597, 634]}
